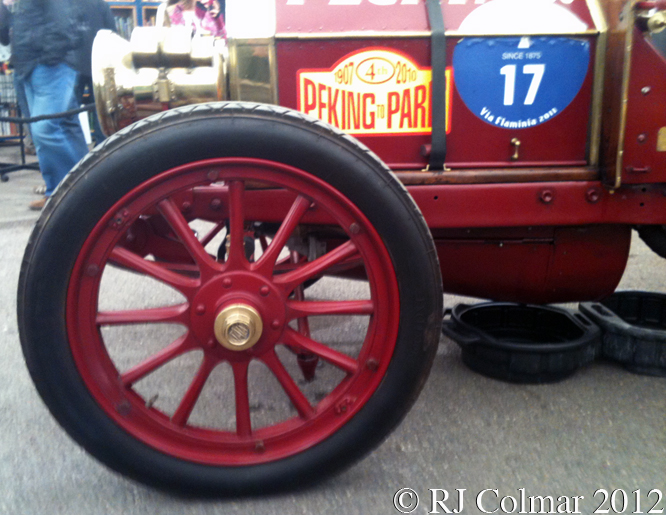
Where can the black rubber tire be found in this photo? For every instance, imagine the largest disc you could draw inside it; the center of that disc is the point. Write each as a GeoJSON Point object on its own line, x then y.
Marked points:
{"type": "Point", "coordinates": [654, 237]}
{"type": "Point", "coordinates": [177, 137]}
{"type": "Point", "coordinates": [522, 343]}
{"type": "Point", "coordinates": [634, 330]}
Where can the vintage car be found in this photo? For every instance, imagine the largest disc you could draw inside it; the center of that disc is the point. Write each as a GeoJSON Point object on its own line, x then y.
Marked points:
{"type": "Point", "coordinates": [241, 289]}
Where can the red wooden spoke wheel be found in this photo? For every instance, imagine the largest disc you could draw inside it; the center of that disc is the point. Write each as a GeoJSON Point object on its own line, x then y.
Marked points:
{"type": "Point", "coordinates": [223, 406]}
{"type": "Point", "coordinates": [235, 312]}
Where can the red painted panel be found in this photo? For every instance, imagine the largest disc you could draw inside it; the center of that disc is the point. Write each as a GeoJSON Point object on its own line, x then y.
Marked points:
{"type": "Point", "coordinates": [528, 15]}
{"type": "Point", "coordinates": [514, 205]}
{"type": "Point", "coordinates": [482, 205]}
{"type": "Point", "coordinates": [321, 16]}
{"type": "Point", "coordinates": [572, 264]}
{"type": "Point", "coordinates": [563, 139]}
{"type": "Point", "coordinates": [326, 16]}
{"type": "Point", "coordinates": [471, 142]}
{"type": "Point", "coordinates": [402, 151]}
{"type": "Point", "coordinates": [646, 114]}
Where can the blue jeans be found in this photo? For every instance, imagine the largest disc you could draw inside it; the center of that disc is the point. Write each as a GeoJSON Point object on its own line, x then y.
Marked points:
{"type": "Point", "coordinates": [23, 106]}
{"type": "Point", "coordinates": [59, 142]}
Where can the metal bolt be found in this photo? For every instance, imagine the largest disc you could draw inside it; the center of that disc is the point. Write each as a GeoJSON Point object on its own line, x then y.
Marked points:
{"type": "Point", "coordinates": [120, 218]}
{"type": "Point", "coordinates": [642, 138]}
{"type": "Point", "coordinates": [226, 282]}
{"type": "Point", "coordinates": [593, 195]}
{"type": "Point", "coordinates": [200, 309]}
{"type": "Point", "coordinates": [185, 207]}
{"type": "Point", "coordinates": [547, 196]}
{"type": "Point", "coordinates": [92, 270]}
{"type": "Point", "coordinates": [259, 446]}
{"type": "Point", "coordinates": [264, 290]}
{"type": "Point", "coordinates": [123, 408]}
{"type": "Point", "coordinates": [276, 324]}
{"type": "Point", "coordinates": [354, 228]}
{"type": "Point", "coordinates": [372, 364]}
{"type": "Point", "coordinates": [216, 204]}
{"type": "Point", "coordinates": [344, 405]}
{"type": "Point", "coordinates": [213, 175]}
{"type": "Point", "coordinates": [646, 90]}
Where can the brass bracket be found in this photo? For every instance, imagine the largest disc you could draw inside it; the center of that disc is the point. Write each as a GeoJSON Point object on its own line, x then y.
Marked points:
{"type": "Point", "coordinates": [516, 147]}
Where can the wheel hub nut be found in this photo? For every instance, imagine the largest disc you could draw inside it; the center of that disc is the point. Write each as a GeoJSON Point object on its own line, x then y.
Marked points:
{"type": "Point", "coordinates": [238, 327]}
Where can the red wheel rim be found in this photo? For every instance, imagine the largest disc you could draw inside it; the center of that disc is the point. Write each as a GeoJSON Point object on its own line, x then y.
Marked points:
{"type": "Point", "coordinates": [232, 193]}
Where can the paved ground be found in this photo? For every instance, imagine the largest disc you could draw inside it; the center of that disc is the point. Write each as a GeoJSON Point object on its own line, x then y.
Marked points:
{"type": "Point", "coordinates": [603, 428]}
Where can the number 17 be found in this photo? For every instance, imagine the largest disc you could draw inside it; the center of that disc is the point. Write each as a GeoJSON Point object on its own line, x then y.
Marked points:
{"type": "Point", "coordinates": [509, 72]}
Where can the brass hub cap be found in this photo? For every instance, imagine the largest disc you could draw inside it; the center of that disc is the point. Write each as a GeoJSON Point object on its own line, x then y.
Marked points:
{"type": "Point", "coordinates": [238, 327]}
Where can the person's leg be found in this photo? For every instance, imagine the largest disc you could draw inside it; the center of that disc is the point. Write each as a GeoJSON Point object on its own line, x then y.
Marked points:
{"type": "Point", "coordinates": [23, 106]}
{"type": "Point", "coordinates": [59, 142]}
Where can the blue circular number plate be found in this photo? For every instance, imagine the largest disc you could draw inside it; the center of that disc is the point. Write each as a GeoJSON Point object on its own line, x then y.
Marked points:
{"type": "Point", "coordinates": [517, 83]}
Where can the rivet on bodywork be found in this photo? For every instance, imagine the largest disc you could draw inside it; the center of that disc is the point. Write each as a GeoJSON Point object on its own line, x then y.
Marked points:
{"type": "Point", "coordinates": [547, 196]}
{"type": "Point", "coordinates": [593, 195]}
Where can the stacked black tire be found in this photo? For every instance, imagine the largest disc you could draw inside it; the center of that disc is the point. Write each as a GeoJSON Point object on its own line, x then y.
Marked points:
{"type": "Point", "coordinates": [634, 330]}
{"type": "Point", "coordinates": [543, 344]}
{"type": "Point", "coordinates": [523, 343]}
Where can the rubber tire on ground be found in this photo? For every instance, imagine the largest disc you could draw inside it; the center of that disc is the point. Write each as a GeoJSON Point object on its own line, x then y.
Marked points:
{"type": "Point", "coordinates": [634, 330]}
{"type": "Point", "coordinates": [654, 237]}
{"type": "Point", "coordinates": [162, 142]}
{"type": "Point", "coordinates": [522, 343]}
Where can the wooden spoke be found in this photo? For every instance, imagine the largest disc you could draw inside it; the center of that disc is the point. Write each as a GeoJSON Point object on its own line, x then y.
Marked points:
{"type": "Point", "coordinates": [340, 360]}
{"type": "Point", "coordinates": [187, 237]}
{"type": "Point", "coordinates": [268, 259]}
{"type": "Point", "coordinates": [243, 422]}
{"type": "Point", "coordinates": [125, 258]}
{"type": "Point", "coordinates": [298, 309]}
{"type": "Point", "coordinates": [167, 314]}
{"type": "Point", "coordinates": [290, 387]}
{"type": "Point", "coordinates": [184, 410]}
{"type": "Point", "coordinates": [236, 255]}
{"type": "Point", "coordinates": [311, 269]}
{"type": "Point", "coordinates": [182, 345]}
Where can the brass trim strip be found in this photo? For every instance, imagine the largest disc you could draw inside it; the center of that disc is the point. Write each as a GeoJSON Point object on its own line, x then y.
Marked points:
{"type": "Point", "coordinates": [598, 85]}
{"type": "Point", "coordinates": [630, 18]}
{"type": "Point", "coordinates": [272, 63]}
{"type": "Point", "coordinates": [597, 14]}
{"type": "Point", "coordinates": [661, 140]}
{"type": "Point", "coordinates": [235, 81]}
{"type": "Point", "coordinates": [496, 176]}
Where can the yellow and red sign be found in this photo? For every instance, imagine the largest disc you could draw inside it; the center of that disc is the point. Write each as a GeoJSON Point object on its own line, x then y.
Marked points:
{"type": "Point", "coordinates": [374, 91]}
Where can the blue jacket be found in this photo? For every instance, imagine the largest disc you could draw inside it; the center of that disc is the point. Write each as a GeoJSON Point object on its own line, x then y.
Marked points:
{"type": "Point", "coordinates": [96, 16]}
{"type": "Point", "coordinates": [47, 32]}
